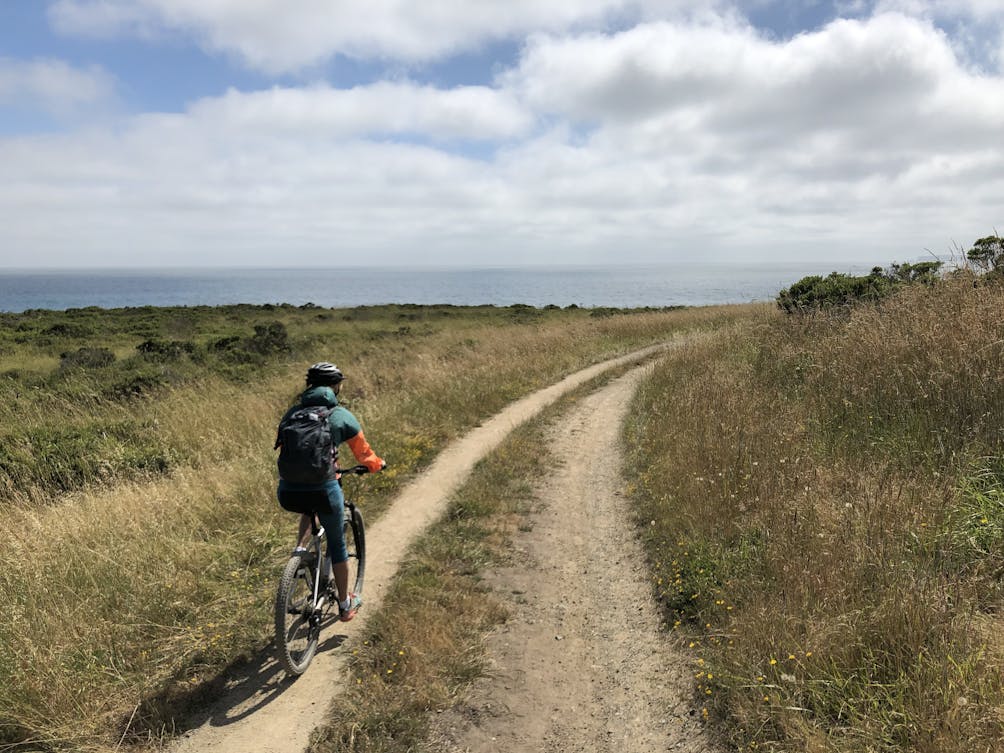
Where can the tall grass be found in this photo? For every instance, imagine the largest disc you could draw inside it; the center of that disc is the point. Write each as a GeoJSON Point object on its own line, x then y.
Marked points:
{"type": "Point", "coordinates": [822, 505]}
{"type": "Point", "coordinates": [130, 592]}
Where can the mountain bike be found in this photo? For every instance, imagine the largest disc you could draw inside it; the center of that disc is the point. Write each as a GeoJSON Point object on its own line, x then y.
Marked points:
{"type": "Point", "coordinates": [306, 601]}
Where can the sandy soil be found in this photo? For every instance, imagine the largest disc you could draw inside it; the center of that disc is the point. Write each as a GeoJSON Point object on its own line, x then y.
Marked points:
{"type": "Point", "coordinates": [581, 666]}
{"type": "Point", "coordinates": [263, 711]}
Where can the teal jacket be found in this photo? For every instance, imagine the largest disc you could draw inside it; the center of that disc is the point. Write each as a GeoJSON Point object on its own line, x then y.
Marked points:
{"type": "Point", "coordinates": [344, 426]}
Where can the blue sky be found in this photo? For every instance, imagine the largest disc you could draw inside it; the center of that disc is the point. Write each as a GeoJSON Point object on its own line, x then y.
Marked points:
{"type": "Point", "coordinates": [221, 132]}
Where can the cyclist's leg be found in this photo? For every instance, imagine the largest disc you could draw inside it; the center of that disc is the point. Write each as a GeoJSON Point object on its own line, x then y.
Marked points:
{"type": "Point", "coordinates": [304, 533]}
{"type": "Point", "coordinates": [337, 552]}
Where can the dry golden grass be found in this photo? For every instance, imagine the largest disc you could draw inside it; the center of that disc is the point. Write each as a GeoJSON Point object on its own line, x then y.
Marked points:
{"type": "Point", "coordinates": [828, 503]}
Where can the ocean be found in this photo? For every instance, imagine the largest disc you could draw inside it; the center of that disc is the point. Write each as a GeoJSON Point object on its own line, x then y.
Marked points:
{"type": "Point", "coordinates": [622, 287]}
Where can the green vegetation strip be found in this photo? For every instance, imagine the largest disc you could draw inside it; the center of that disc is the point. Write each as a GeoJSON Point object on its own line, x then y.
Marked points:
{"type": "Point", "coordinates": [425, 645]}
{"type": "Point", "coordinates": [822, 502]}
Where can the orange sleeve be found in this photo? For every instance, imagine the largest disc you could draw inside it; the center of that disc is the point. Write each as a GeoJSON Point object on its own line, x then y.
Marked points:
{"type": "Point", "coordinates": [364, 453]}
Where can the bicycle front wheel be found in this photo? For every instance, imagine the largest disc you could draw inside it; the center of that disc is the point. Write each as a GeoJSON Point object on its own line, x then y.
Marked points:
{"type": "Point", "coordinates": [297, 624]}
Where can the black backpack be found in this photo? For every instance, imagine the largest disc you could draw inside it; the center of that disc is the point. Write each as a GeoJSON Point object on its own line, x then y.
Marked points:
{"type": "Point", "coordinates": [306, 450]}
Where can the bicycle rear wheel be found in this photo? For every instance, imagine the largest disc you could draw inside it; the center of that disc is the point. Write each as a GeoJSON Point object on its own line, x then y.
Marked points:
{"type": "Point", "coordinates": [297, 622]}
{"type": "Point", "coordinates": [355, 542]}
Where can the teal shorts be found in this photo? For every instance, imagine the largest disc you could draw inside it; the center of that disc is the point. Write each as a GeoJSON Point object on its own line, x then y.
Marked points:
{"type": "Point", "coordinates": [328, 503]}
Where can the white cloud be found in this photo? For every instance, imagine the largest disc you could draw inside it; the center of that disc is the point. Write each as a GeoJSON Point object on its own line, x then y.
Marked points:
{"type": "Point", "coordinates": [890, 83]}
{"type": "Point", "coordinates": [980, 9]}
{"type": "Point", "coordinates": [466, 113]}
{"type": "Point", "coordinates": [871, 125]}
{"type": "Point", "coordinates": [248, 178]}
{"type": "Point", "coordinates": [52, 86]}
{"type": "Point", "coordinates": [976, 26]}
{"type": "Point", "coordinates": [279, 36]}
{"type": "Point", "coordinates": [866, 140]}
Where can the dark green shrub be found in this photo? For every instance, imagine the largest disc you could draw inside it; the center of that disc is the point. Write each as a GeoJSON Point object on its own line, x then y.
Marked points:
{"type": "Point", "coordinates": [67, 329]}
{"type": "Point", "coordinates": [268, 339]}
{"type": "Point", "coordinates": [136, 385]}
{"type": "Point", "coordinates": [224, 343]}
{"type": "Point", "coordinates": [987, 253]}
{"type": "Point", "coordinates": [814, 292]}
{"type": "Point", "coordinates": [924, 272]}
{"type": "Point", "coordinates": [86, 358]}
{"type": "Point", "coordinates": [603, 312]}
{"type": "Point", "coordinates": [165, 350]}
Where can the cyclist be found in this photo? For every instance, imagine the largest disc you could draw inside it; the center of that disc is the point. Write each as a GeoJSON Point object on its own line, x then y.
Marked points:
{"type": "Point", "coordinates": [324, 381]}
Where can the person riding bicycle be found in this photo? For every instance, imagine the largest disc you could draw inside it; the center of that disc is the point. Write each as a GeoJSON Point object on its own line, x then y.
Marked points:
{"type": "Point", "coordinates": [324, 381]}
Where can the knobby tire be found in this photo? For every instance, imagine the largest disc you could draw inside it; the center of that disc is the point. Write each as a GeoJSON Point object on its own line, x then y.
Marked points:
{"type": "Point", "coordinates": [296, 639]}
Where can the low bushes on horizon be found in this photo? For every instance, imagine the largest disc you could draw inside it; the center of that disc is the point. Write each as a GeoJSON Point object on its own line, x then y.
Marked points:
{"type": "Point", "coordinates": [984, 261]}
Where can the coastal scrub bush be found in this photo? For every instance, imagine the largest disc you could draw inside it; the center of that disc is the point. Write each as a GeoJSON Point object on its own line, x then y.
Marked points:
{"type": "Point", "coordinates": [165, 350]}
{"type": "Point", "coordinates": [136, 383]}
{"type": "Point", "coordinates": [86, 358]}
{"type": "Point", "coordinates": [268, 340]}
{"type": "Point", "coordinates": [68, 330]}
{"type": "Point", "coordinates": [987, 254]}
{"type": "Point", "coordinates": [814, 293]}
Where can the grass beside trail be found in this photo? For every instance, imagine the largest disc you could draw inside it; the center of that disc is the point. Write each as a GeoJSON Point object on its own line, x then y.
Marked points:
{"type": "Point", "coordinates": [425, 645]}
{"type": "Point", "coordinates": [143, 541]}
{"type": "Point", "coordinates": [822, 501]}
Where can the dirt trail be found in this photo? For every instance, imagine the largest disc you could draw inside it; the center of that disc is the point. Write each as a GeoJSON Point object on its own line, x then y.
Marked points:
{"type": "Point", "coordinates": [582, 667]}
{"type": "Point", "coordinates": [263, 712]}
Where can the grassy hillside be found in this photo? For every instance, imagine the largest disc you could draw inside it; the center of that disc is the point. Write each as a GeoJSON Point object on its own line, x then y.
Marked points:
{"type": "Point", "coordinates": [142, 539]}
{"type": "Point", "coordinates": [822, 499]}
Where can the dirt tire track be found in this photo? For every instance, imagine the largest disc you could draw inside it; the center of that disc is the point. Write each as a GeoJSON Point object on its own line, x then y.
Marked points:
{"type": "Point", "coordinates": [261, 710]}
{"type": "Point", "coordinates": [582, 665]}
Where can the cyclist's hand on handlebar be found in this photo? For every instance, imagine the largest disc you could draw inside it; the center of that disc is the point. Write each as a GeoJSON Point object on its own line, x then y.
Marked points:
{"type": "Point", "coordinates": [359, 470]}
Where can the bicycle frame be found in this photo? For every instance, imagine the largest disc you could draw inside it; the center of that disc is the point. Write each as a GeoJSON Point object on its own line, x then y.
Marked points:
{"type": "Point", "coordinates": [300, 614]}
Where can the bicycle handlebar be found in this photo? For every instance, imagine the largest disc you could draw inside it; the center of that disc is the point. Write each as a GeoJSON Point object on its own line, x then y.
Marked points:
{"type": "Point", "coordinates": [356, 470]}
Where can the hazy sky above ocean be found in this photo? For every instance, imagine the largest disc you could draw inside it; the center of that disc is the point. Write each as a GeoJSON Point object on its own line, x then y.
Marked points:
{"type": "Point", "coordinates": [504, 132]}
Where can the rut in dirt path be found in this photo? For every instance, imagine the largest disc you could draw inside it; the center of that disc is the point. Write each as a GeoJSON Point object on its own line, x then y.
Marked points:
{"type": "Point", "coordinates": [261, 710]}
{"type": "Point", "coordinates": [581, 666]}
